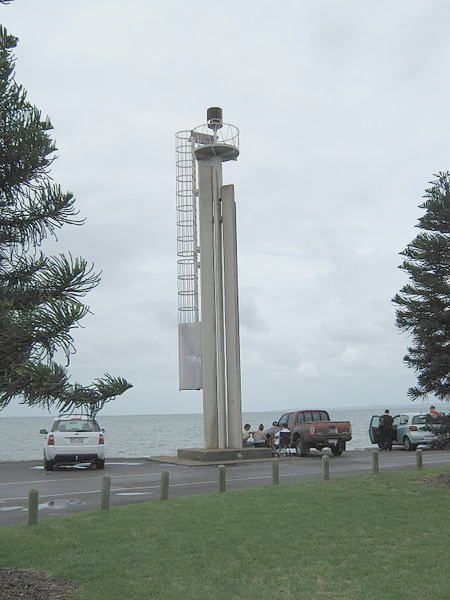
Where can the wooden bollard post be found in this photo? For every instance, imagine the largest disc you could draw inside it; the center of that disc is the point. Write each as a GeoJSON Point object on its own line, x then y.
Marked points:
{"type": "Point", "coordinates": [419, 458]}
{"type": "Point", "coordinates": [375, 462]}
{"type": "Point", "coordinates": [275, 471]}
{"type": "Point", "coordinates": [33, 507]}
{"type": "Point", "coordinates": [106, 491]}
{"type": "Point", "coordinates": [325, 468]}
{"type": "Point", "coordinates": [164, 485]}
{"type": "Point", "coordinates": [222, 479]}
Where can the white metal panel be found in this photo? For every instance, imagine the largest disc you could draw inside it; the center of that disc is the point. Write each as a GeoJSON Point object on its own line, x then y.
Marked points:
{"type": "Point", "coordinates": [190, 356]}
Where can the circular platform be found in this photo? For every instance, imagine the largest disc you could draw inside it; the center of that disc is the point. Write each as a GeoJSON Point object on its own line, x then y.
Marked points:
{"type": "Point", "coordinates": [224, 151]}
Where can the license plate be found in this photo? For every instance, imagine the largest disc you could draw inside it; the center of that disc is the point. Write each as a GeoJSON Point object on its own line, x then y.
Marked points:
{"type": "Point", "coordinates": [76, 440]}
{"type": "Point", "coordinates": [332, 441]}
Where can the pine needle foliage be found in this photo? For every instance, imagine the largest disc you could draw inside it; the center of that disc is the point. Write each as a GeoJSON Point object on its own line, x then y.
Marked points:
{"type": "Point", "coordinates": [423, 304]}
{"type": "Point", "coordinates": [41, 297]}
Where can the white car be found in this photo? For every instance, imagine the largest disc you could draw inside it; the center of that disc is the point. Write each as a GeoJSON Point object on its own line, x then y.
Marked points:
{"type": "Point", "coordinates": [74, 439]}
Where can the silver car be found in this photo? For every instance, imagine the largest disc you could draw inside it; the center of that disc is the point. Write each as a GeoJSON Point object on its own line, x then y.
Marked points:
{"type": "Point", "coordinates": [409, 430]}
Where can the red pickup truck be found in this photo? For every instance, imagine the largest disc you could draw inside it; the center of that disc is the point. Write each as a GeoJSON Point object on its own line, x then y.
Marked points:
{"type": "Point", "coordinates": [313, 429]}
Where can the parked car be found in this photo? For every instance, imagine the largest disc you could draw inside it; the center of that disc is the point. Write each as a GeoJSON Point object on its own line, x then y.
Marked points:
{"type": "Point", "coordinates": [409, 430]}
{"type": "Point", "coordinates": [313, 429]}
{"type": "Point", "coordinates": [74, 439]}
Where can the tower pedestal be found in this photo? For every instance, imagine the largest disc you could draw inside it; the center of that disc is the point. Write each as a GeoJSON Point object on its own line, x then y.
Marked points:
{"type": "Point", "coordinates": [223, 454]}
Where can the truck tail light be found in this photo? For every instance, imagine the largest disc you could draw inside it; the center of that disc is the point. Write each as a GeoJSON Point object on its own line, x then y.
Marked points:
{"type": "Point", "coordinates": [101, 439]}
{"type": "Point", "coordinates": [413, 428]}
{"type": "Point", "coordinates": [312, 430]}
{"type": "Point", "coordinates": [51, 440]}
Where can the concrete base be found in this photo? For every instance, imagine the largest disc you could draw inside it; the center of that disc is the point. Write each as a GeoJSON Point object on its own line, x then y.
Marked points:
{"type": "Point", "coordinates": [223, 454]}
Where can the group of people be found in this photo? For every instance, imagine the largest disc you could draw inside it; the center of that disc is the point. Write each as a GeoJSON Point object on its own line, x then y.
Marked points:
{"type": "Point", "coordinates": [387, 427]}
{"type": "Point", "coordinates": [262, 437]}
{"type": "Point", "coordinates": [254, 439]}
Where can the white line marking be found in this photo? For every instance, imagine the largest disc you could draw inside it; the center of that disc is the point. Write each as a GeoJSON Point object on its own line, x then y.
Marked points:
{"type": "Point", "coordinates": [124, 476]}
{"type": "Point", "coordinates": [131, 494]}
{"type": "Point", "coordinates": [65, 494]}
{"type": "Point", "coordinates": [128, 464]}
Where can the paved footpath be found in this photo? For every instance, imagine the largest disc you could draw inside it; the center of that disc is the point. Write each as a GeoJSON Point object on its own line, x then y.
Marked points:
{"type": "Point", "coordinates": [70, 490]}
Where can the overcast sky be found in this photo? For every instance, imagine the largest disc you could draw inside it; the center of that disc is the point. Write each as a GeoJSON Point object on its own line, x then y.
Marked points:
{"type": "Point", "coordinates": [343, 108]}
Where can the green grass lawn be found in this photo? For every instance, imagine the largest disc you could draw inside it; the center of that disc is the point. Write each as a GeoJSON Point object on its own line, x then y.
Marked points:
{"type": "Point", "coordinates": [355, 538]}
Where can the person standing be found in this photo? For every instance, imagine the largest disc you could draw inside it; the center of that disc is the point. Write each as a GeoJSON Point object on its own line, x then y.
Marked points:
{"type": "Point", "coordinates": [386, 430]}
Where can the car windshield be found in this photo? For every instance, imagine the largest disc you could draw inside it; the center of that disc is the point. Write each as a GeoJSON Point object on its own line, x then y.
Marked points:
{"type": "Point", "coordinates": [75, 425]}
{"type": "Point", "coordinates": [420, 420]}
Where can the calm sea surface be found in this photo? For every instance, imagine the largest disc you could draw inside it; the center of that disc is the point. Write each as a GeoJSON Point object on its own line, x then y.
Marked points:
{"type": "Point", "coordinates": [151, 435]}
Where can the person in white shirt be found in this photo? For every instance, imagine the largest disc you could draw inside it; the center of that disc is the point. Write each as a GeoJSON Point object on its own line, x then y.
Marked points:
{"type": "Point", "coordinates": [283, 432]}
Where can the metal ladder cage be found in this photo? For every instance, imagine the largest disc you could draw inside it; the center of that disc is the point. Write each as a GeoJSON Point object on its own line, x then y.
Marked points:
{"type": "Point", "coordinates": [187, 235]}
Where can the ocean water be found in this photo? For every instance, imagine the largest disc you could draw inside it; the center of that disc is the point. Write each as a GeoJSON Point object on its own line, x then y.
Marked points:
{"type": "Point", "coordinates": [152, 435]}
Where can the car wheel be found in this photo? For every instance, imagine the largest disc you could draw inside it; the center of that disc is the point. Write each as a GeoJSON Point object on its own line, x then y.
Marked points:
{"type": "Point", "coordinates": [49, 465]}
{"type": "Point", "coordinates": [407, 444]}
{"type": "Point", "coordinates": [300, 448]}
{"type": "Point", "coordinates": [100, 464]}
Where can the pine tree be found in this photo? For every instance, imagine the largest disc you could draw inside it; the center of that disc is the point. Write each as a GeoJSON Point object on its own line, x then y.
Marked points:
{"type": "Point", "coordinates": [424, 303]}
{"type": "Point", "coordinates": [40, 296]}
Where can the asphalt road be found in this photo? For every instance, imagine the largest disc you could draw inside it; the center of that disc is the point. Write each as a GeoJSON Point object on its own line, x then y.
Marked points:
{"type": "Point", "coordinates": [70, 490]}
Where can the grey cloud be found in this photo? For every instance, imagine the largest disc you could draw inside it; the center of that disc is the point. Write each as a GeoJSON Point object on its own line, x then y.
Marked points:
{"type": "Point", "coordinates": [341, 108]}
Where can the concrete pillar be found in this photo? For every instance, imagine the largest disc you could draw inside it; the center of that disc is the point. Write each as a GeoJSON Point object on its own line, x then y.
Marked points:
{"type": "Point", "coordinates": [325, 468]}
{"type": "Point", "coordinates": [275, 471]}
{"type": "Point", "coordinates": [106, 492]}
{"type": "Point", "coordinates": [234, 403]}
{"type": "Point", "coordinates": [216, 174]}
{"type": "Point", "coordinates": [222, 479]}
{"type": "Point", "coordinates": [33, 507]}
{"type": "Point", "coordinates": [164, 485]}
{"type": "Point", "coordinates": [375, 462]}
{"type": "Point", "coordinates": [419, 458]}
{"type": "Point", "coordinates": [207, 291]}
